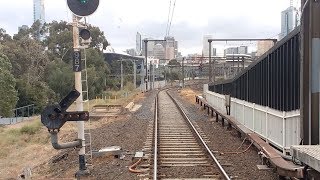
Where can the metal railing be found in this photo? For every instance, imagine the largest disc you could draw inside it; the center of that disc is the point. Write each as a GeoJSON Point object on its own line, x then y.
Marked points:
{"type": "Point", "coordinates": [20, 114]}
{"type": "Point", "coordinates": [273, 80]}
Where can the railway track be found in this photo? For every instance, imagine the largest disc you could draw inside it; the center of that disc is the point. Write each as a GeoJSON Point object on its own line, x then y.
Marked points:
{"type": "Point", "coordinates": [179, 151]}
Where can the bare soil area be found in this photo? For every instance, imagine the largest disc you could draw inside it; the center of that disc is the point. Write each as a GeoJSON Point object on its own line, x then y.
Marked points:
{"type": "Point", "coordinates": [27, 148]}
{"type": "Point", "coordinates": [127, 131]}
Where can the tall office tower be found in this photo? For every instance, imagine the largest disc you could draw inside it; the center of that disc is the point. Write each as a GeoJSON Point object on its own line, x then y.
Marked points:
{"type": "Point", "coordinates": [289, 20]}
{"type": "Point", "coordinates": [159, 51]}
{"type": "Point", "coordinates": [138, 43]}
{"type": "Point", "coordinates": [170, 47]}
{"type": "Point", "coordinates": [38, 11]}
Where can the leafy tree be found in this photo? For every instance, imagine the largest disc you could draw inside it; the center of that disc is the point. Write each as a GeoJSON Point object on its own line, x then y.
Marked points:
{"type": "Point", "coordinates": [28, 59]}
{"type": "Point", "coordinates": [59, 77]}
{"type": "Point", "coordinates": [98, 72]}
{"type": "Point", "coordinates": [4, 37]}
{"type": "Point", "coordinates": [22, 33]}
{"type": "Point", "coordinates": [59, 42]}
{"type": "Point", "coordinates": [173, 62]}
{"type": "Point", "coordinates": [8, 94]}
{"type": "Point", "coordinates": [98, 37]}
{"type": "Point", "coordinates": [37, 93]}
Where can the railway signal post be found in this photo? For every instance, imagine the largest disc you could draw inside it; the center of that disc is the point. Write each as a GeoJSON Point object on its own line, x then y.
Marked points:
{"type": "Point", "coordinates": [80, 8]}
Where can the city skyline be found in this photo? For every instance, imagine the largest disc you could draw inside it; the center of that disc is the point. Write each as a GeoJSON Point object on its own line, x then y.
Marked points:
{"type": "Point", "coordinates": [120, 27]}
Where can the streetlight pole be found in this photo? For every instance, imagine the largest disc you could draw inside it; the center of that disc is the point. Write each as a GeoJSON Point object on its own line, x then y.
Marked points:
{"type": "Point", "coordinates": [183, 72]}
{"type": "Point", "coordinates": [146, 56]}
{"type": "Point", "coordinates": [134, 74]}
{"type": "Point", "coordinates": [121, 69]}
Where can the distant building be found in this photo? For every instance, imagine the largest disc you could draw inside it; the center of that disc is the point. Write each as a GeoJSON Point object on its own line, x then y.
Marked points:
{"type": "Point", "coordinates": [131, 52]}
{"type": "Point", "coordinates": [194, 58]}
{"type": "Point", "coordinates": [154, 61]}
{"type": "Point", "coordinates": [289, 20]}
{"type": "Point", "coordinates": [264, 46]}
{"type": "Point", "coordinates": [205, 47]}
{"type": "Point", "coordinates": [170, 47]}
{"type": "Point", "coordinates": [150, 47]}
{"type": "Point", "coordinates": [236, 50]}
{"type": "Point", "coordinates": [169, 44]}
{"type": "Point", "coordinates": [159, 51]}
{"type": "Point", "coordinates": [23, 27]}
{"type": "Point", "coordinates": [243, 50]}
{"type": "Point", "coordinates": [38, 11]}
{"type": "Point", "coordinates": [138, 43]}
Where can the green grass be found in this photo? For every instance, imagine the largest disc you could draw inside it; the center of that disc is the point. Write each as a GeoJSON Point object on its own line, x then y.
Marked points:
{"type": "Point", "coordinates": [27, 133]}
{"type": "Point", "coordinates": [15, 138]}
{"type": "Point", "coordinates": [32, 128]}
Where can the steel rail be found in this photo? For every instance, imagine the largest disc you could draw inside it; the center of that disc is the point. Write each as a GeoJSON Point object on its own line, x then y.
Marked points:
{"type": "Point", "coordinates": [155, 150]}
{"type": "Point", "coordinates": [222, 171]}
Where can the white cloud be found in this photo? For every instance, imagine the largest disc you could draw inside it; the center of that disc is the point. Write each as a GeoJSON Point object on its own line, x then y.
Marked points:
{"type": "Point", "coordinates": [121, 19]}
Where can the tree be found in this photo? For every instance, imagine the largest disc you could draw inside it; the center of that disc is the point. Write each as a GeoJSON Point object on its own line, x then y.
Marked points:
{"type": "Point", "coordinates": [28, 59]}
{"type": "Point", "coordinates": [37, 93]}
{"type": "Point", "coordinates": [98, 38]}
{"type": "Point", "coordinates": [59, 42]}
{"type": "Point", "coordinates": [173, 62]}
{"type": "Point", "coordinates": [59, 77]}
{"type": "Point", "coordinates": [4, 36]}
{"type": "Point", "coordinates": [98, 71]}
{"type": "Point", "coordinates": [8, 93]}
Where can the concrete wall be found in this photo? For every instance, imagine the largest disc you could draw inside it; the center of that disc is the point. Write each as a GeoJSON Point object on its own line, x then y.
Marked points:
{"type": "Point", "coordinates": [14, 120]}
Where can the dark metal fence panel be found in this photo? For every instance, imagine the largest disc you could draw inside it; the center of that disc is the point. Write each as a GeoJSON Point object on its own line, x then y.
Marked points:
{"type": "Point", "coordinates": [273, 80]}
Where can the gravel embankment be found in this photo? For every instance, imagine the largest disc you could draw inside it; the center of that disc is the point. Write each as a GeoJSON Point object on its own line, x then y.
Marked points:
{"type": "Point", "coordinates": [240, 166]}
{"type": "Point", "coordinates": [127, 131]}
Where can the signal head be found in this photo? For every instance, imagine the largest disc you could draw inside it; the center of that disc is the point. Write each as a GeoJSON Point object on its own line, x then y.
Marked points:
{"type": "Point", "coordinates": [83, 7]}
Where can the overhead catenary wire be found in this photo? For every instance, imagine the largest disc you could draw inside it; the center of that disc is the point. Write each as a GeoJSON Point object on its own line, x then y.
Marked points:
{"type": "Point", "coordinates": [168, 18]}
{"type": "Point", "coordinates": [174, 5]}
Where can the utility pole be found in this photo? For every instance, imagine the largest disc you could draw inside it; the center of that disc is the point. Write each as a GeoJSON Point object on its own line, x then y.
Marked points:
{"type": "Point", "coordinates": [153, 76]}
{"type": "Point", "coordinates": [142, 76]}
{"type": "Point", "coordinates": [210, 63]}
{"type": "Point", "coordinates": [146, 65]}
{"type": "Point", "coordinates": [183, 72]}
{"type": "Point", "coordinates": [121, 68]}
{"type": "Point", "coordinates": [310, 76]}
{"type": "Point", "coordinates": [134, 74]}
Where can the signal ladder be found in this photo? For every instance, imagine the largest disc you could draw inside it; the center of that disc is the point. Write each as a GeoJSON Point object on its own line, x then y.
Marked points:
{"type": "Point", "coordinates": [85, 96]}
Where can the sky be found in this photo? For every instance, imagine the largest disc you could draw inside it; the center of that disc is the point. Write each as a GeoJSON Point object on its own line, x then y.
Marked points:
{"type": "Point", "coordinates": [122, 19]}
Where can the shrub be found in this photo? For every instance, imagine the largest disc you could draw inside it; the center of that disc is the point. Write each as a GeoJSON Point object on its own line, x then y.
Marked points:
{"type": "Point", "coordinates": [31, 128]}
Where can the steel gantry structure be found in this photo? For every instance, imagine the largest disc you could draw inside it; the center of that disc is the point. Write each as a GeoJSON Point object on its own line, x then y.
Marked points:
{"type": "Point", "coordinates": [146, 57]}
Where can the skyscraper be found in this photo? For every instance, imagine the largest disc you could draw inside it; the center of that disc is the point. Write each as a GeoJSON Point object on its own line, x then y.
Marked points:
{"type": "Point", "coordinates": [205, 48]}
{"type": "Point", "coordinates": [138, 43]}
{"type": "Point", "coordinates": [289, 20]}
{"type": "Point", "coordinates": [170, 47]}
{"type": "Point", "coordinates": [159, 51]}
{"type": "Point", "coordinates": [38, 11]}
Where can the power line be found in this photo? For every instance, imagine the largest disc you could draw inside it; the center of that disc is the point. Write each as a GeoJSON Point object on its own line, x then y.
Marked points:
{"type": "Point", "coordinates": [174, 5]}
{"type": "Point", "coordinates": [168, 18]}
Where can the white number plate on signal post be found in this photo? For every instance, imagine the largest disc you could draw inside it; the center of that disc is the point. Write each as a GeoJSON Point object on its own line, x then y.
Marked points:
{"type": "Point", "coordinates": [77, 61]}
